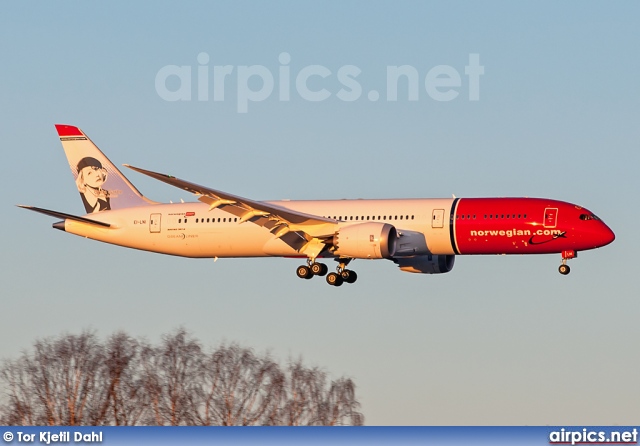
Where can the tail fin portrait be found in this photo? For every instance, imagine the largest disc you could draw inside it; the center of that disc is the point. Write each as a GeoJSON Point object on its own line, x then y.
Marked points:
{"type": "Point", "coordinates": [101, 185]}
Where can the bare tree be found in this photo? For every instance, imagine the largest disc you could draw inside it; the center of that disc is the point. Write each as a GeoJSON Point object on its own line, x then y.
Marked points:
{"type": "Point", "coordinates": [309, 403]}
{"type": "Point", "coordinates": [21, 408]}
{"type": "Point", "coordinates": [75, 380]}
{"type": "Point", "coordinates": [58, 384]}
{"type": "Point", "coordinates": [170, 376]}
{"type": "Point", "coordinates": [238, 388]}
{"type": "Point", "coordinates": [122, 381]}
{"type": "Point", "coordinates": [339, 404]}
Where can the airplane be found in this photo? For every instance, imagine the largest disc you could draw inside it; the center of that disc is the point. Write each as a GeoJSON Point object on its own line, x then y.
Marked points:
{"type": "Point", "coordinates": [418, 235]}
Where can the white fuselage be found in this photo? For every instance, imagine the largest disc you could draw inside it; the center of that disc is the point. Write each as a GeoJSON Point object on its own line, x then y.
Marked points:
{"type": "Point", "coordinates": [192, 230]}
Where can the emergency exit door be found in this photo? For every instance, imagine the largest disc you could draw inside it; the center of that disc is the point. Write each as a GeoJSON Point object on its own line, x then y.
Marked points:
{"type": "Point", "coordinates": [154, 222]}
{"type": "Point", "coordinates": [437, 220]}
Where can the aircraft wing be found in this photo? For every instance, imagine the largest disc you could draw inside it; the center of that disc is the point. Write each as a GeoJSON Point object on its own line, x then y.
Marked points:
{"type": "Point", "coordinates": [282, 222]}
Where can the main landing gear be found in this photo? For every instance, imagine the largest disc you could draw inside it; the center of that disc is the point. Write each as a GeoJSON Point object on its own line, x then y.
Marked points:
{"type": "Point", "coordinates": [341, 275]}
{"type": "Point", "coordinates": [566, 255]}
{"type": "Point", "coordinates": [312, 269]}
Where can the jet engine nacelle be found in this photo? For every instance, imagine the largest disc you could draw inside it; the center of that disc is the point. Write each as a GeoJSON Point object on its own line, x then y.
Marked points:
{"type": "Point", "coordinates": [366, 241]}
{"type": "Point", "coordinates": [426, 264]}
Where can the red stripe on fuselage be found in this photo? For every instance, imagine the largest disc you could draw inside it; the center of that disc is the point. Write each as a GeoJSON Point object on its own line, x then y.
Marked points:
{"type": "Point", "coordinates": [524, 226]}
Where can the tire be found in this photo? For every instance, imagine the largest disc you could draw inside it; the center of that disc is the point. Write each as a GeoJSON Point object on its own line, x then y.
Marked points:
{"type": "Point", "coordinates": [334, 279]}
{"type": "Point", "coordinates": [319, 269]}
{"type": "Point", "coordinates": [564, 269]}
{"type": "Point", "coordinates": [350, 277]}
{"type": "Point", "coordinates": [304, 272]}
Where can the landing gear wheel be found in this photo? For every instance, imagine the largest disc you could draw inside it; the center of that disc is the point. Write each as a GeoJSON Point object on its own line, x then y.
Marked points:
{"type": "Point", "coordinates": [304, 272]}
{"type": "Point", "coordinates": [564, 269]}
{"type": "Point", "coordinates": [349, 276]}
{"type": "Point", "coordinates": [319, 269]}
{"type": "Point", "coordinates": [334, 279]}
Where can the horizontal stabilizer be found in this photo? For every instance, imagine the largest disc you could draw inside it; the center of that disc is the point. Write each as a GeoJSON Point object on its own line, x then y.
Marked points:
{"type": "Point", "coordinates": [65, 216]}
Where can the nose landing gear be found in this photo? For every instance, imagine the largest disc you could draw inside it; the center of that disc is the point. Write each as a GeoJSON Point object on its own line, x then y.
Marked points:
{"type": "Point", "coordinates": [566, 255]}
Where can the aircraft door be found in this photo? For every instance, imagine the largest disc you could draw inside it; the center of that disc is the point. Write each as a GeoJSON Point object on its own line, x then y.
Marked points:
{"type": "Point", "coordinates": [550, 217]}
{"type": "Point", "coordinates": [154, 222]}
{"type": "Point", "coordinates": [437, 220]}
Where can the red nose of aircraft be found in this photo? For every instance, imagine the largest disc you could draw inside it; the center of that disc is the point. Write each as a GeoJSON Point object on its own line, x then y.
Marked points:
{"type": "Point", "coordinates": [605, 235]}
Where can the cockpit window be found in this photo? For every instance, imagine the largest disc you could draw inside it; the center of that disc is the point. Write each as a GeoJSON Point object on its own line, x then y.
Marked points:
{"type": "Point", "coordinates": [588, 217]}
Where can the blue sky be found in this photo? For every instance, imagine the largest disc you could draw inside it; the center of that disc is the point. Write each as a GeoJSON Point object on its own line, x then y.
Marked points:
{"type": "Point", "coordinates": [499, 340]}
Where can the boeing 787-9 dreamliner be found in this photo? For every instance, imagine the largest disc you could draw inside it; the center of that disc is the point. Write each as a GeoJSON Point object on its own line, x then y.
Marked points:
{"type": "Point", "coordinates": [418, 235]}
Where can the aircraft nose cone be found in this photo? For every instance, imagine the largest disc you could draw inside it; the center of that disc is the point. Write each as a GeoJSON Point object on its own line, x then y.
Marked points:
{"type": "Point", "coordinates": [606, 235]}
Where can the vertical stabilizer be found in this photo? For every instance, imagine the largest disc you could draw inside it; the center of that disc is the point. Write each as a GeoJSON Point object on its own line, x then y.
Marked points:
{"type": "Point", "coordinates": [101, 185]}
